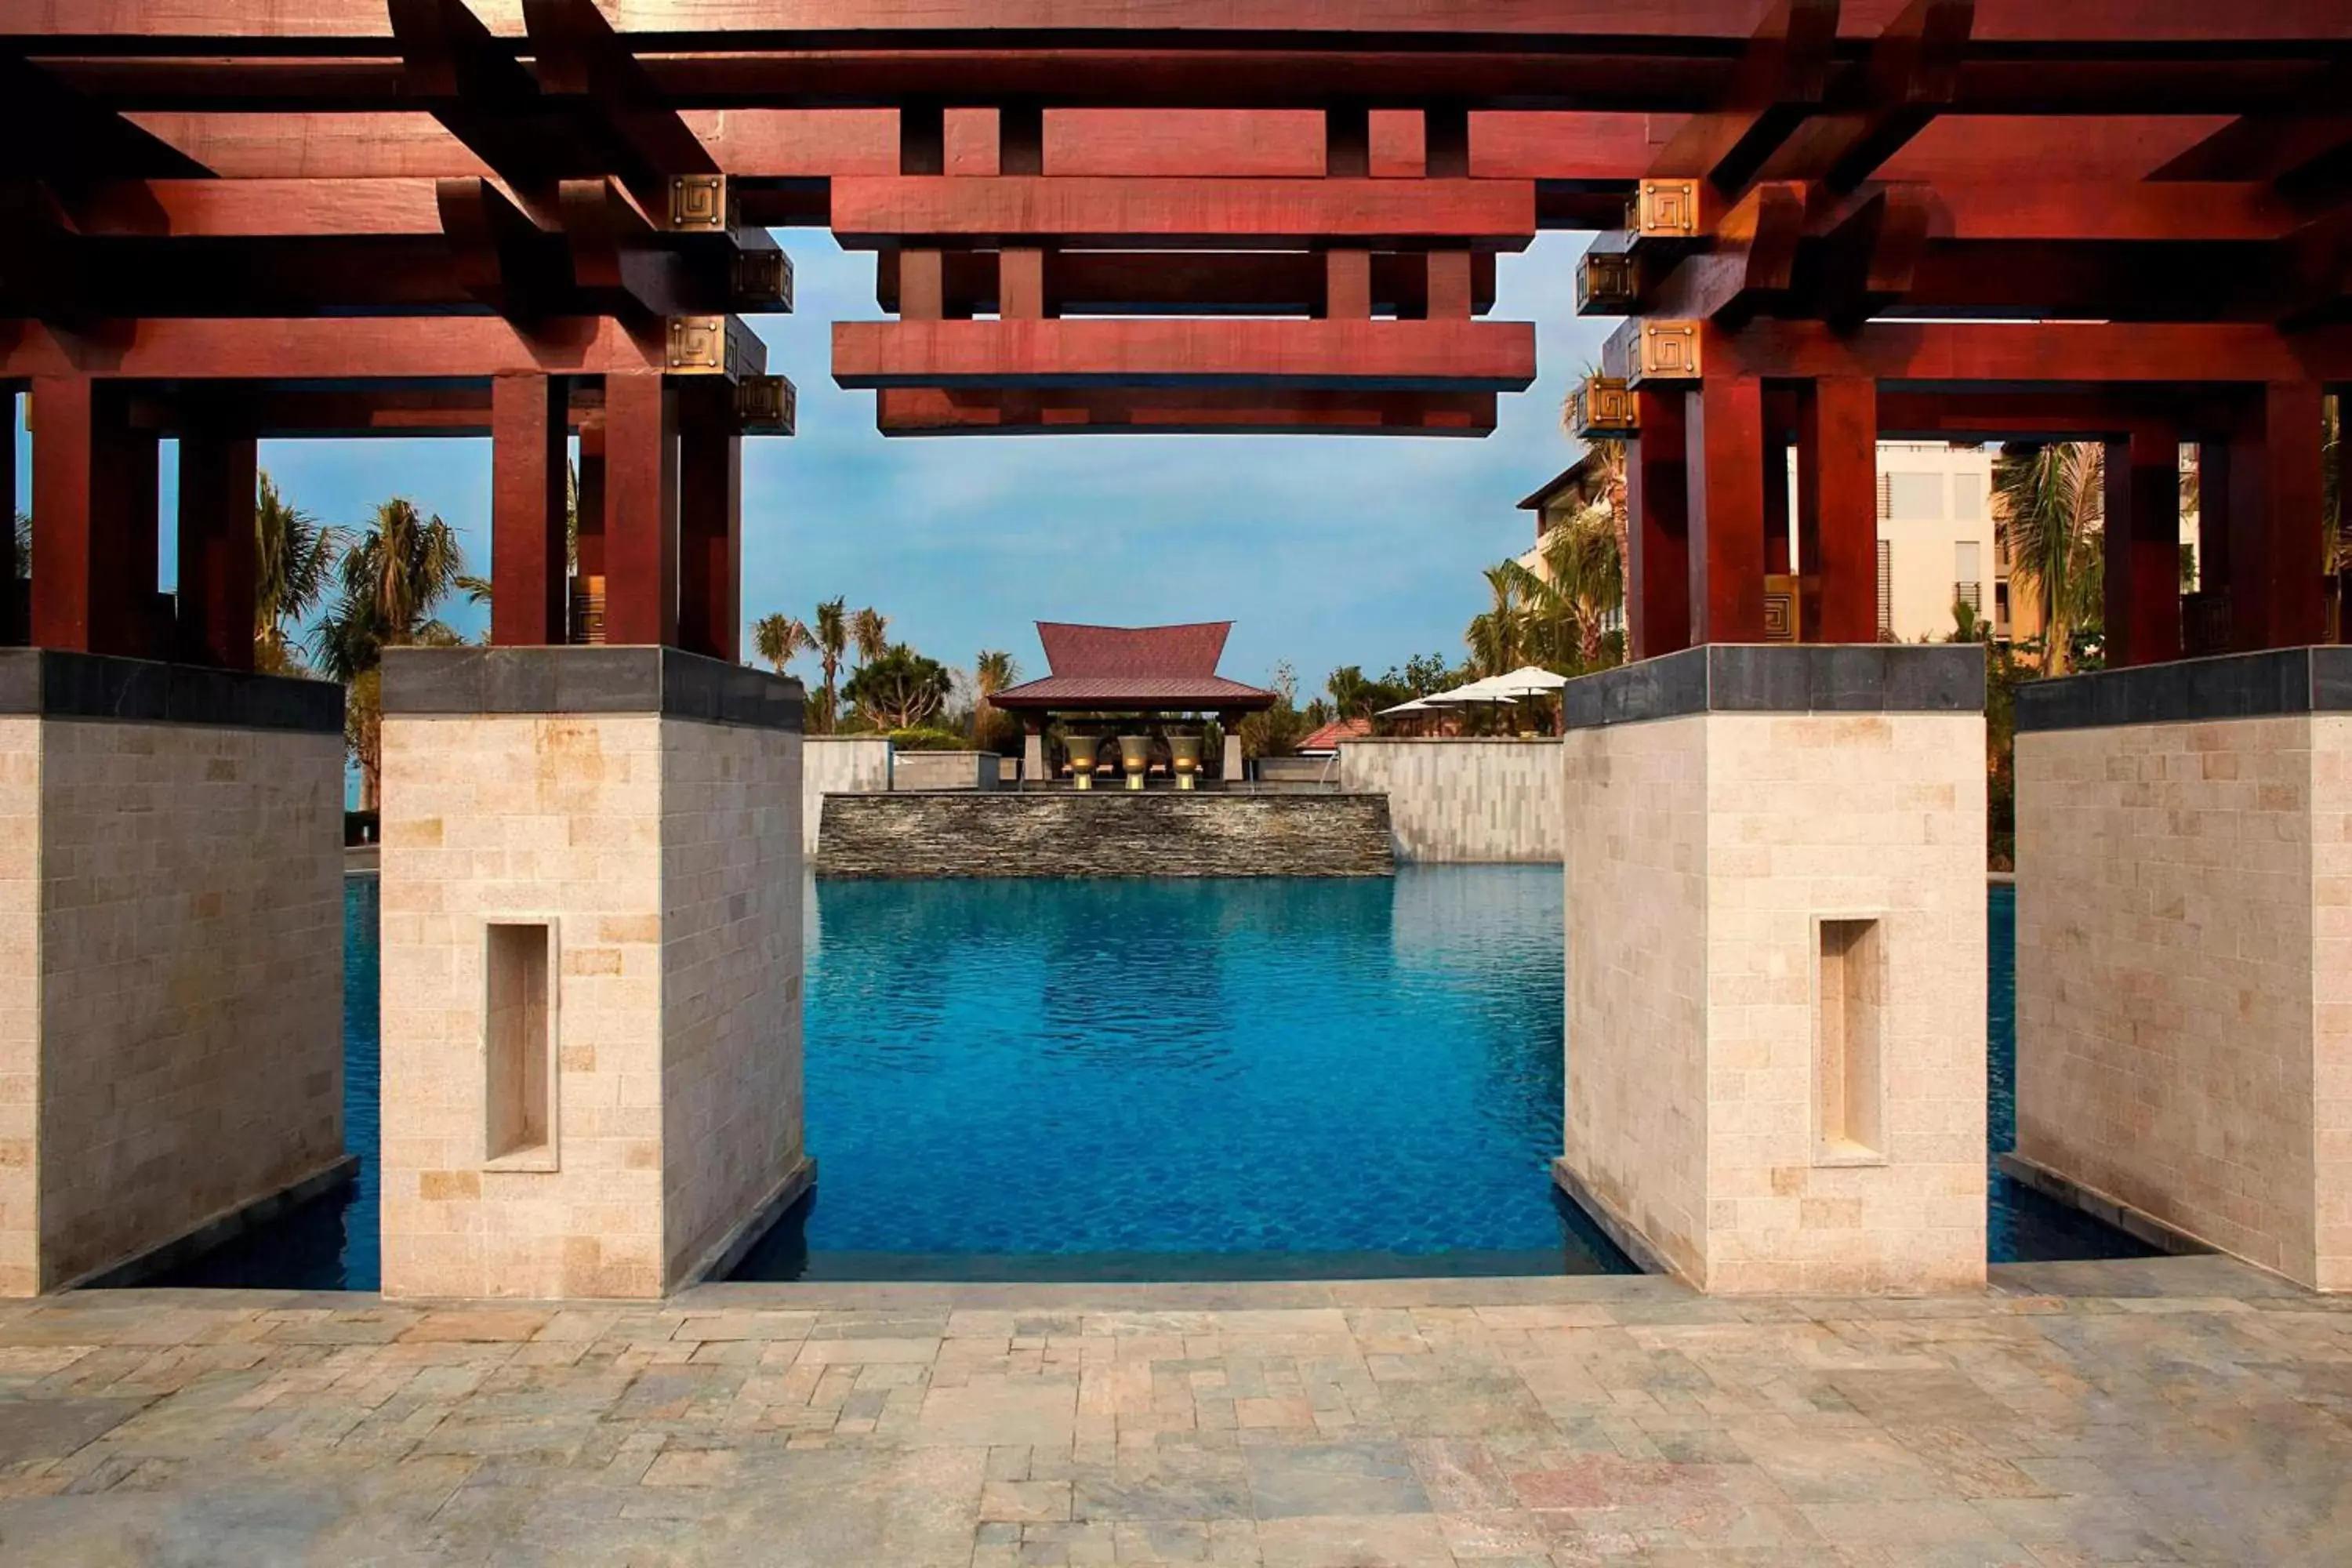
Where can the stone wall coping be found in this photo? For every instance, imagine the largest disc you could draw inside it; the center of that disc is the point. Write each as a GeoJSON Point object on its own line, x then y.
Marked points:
{"type": "Point", "coordinates": [55, 683]}
{"type": "Point", "coordinates": [2277, 684]}
{"type": "Point", "coordinates": [1782, 678]}
{"type": "Point", "coordinates": [449, 682]}
{"type": "Point", "coordinates": [1450, 741]}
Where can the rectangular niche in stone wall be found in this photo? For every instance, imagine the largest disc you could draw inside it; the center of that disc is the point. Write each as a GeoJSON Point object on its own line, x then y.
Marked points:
{"type": "Point", "coordinates": [1849, 1026]}
{"type": "Point", "coordinates": [519, 1045]}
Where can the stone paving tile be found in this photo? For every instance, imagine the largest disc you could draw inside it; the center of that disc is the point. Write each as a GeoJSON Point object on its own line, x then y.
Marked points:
{"type": "Point", "coordinates": [2183, 1410]}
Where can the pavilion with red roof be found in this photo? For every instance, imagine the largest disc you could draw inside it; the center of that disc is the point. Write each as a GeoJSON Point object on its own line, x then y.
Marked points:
{"type": "Point", "coordinates": [1149, 674]}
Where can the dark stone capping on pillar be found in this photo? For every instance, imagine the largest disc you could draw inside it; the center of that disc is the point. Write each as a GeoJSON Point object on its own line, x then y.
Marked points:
{"type": "Point", "coordinates": [51, 683]}
{"type": "Point", "coordinates": [1783, 677]}
{"type": "Point", "coordinates": [2273, 685]}
{"type": "Point", "coordinates": [422, 682]}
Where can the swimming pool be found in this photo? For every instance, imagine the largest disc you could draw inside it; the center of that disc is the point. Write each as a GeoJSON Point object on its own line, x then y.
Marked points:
{"type": "Point", "coordinates": [1159, 1080]}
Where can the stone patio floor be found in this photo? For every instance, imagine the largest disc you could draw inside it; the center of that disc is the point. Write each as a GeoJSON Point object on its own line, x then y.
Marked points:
{"type": "Point", "coordinates": [2177, 1410]}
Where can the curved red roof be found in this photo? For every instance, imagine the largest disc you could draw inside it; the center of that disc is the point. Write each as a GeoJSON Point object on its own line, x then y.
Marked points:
{"type": "Point", "coordinates": [1173, 668]}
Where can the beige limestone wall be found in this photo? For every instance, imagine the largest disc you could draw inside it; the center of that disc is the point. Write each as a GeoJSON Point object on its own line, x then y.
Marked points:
{"type": "Point", "coordinates": [2184, 942]}
{"type": "Point", "coordinates": [1465, 801]}
{"type": "Point", "coordinates": [732, 944]}
{"type": "Point", "coordinates": [1702, 853]}
{"type": "Point", "coordinates": [1635, 821]}
{"type": "Point", "coordinates": [839, 764]}
{"type": "Point", "coordinates": [191, 978]}
{"type": "Point", "coordinates": [20, 1005]}
{"type": "Point", "coordinates": [663, 852]}
{"type": "Point", "coordinates": [2331, 888]}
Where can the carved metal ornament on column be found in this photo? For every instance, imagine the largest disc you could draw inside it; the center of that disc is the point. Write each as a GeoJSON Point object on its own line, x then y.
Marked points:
{"type": "Point", "coordinates": [1665, 352]}
{"type": "Point", "coordinates": [713, 345]}
{"type": "Point", "coordinates": [1602, 409]}
{"type": "Point", "coordinates": [1606, 284]}
{"type": "Point", "coordinates": [764, 281]}
{"type": "Point", "coordinates": [701, 204]}
{"type": "Point", "coordinates": [766, 404]}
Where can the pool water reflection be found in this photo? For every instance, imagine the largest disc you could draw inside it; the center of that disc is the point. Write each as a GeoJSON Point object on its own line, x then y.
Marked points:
{"type": "Point", "coordinates": [1164, 1081]}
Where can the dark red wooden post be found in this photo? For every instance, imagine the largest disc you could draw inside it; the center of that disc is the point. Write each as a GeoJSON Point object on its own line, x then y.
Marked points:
{"type": "Point", "coordinates": [2143, 553]}
{"type": "Point", "coordinates": [2277, 515]}
{"type": "Point", "coordinates": [710, 520]}
{"type": "Point", "coordinates": [530, 431]}
{"type": "Point", "coordinates": [1725, 445]}
{"type": "Point", "coordinates": [1657, 501]}
{"type": "Point", "coordinates": [1837, 501]}
{"type": "Point", "coordinates": [640, 509]}
{"type": "Point", "coordinates": [217, 547]}
{"type": "Point", "coordinates": [94, 520]}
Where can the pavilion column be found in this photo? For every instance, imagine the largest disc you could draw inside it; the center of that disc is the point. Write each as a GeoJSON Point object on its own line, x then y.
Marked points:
{"type": "Point", "coordinates": [1658, 506]}
{"type": "Point", "coordinates": [1234, 765]}
{"type": "Point", "coordinates": [530, 426]}
{"type": "Point", "coordinates": [94, 520]}
{"type": "Point", "coordinates": [217, 547]}
{"type": "Point", "coordinates": [13, 626]}
{"type": "Point", "coordinates": [1776, 966]}
{"type": "Point", "coordinates": [710, 520]}
{"type": "Point", "coordinates": [1724, 444]}
{"type": "Point", "coordinates": [1032, 750]}
{"type": "Point", "coordinates": [1837, 501]}
{"type": "Point", "coordinates": [641, 495]}
{"type": "Point", "coordinates": [2143, 546]}
{"type": "Point", "coordinates": [2184, 957]}
{"type": "Point", "coordinates": [2276, 521]}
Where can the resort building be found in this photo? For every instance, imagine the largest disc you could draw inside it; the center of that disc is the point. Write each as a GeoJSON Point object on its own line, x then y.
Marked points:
{"type": "Point", "coordinates": [1106, 680]}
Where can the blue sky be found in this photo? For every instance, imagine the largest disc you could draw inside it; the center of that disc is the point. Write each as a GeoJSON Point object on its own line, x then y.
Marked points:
{"type": "Point", "coordinates": [1323, 551]}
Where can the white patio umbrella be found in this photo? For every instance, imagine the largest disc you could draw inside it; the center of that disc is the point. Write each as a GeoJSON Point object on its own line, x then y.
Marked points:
{"type": "Point", "coordinates": [1528, 681]}
{"type": "Point", "coordinates": [1418, 705]}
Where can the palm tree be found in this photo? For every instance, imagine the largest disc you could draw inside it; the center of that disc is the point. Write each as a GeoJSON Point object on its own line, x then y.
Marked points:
{"type": "Point", "coordinates": [779, 639]}
{"type": "Point", "coordinates": [1609, 457]}
{"type": "Point", "coordinates": [1352, 696]}
{"type": "Point", "coordinates": [394, 580]}
{"type": "Point", "coordinates": [24, 546]}
{"type": "Point", "coordinates": [2053, 500]}
{"type": "Point", "coordinates": [294, 565]}
{"type": "Point", "coordinates": [1496, 637]}
{"type": "Point", "coordinates": [1582, 583]}
{"type": "Point", "coordinates": [832, 646]}
{"type": "Point", "coordinates": [991, 672]}
{"type": "Point", "coordinates": [870, 628]}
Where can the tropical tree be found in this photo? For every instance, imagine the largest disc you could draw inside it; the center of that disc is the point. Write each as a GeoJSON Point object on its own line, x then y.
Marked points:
{"type": "Point", "coordinates": [781, 638]}
{"type": "Point", "coordinates": [24, 546]}
{"type": "Point", "coordinates": [294, 567]}
{"type": "Point", "coordinates": [1495, 638]}
{"type": "Point", "coordinates": [1609, 460]}
{"type": "Point", "coordinates": [832, 631]}
{"type": "Point", "coordinates": [1582, 584]}
{"type": "Point", "coordinates": [898, 688]}
{"type": "Point", "coordinates": [1275, 732]}
{"type": "Point", "coordinates": [393, 582]}
{"type": "Point", "coordinates": [2052, 501]}
{"type": "Point", "coordinates": [870, 628]}
{"type": "Point", "coordinates": [993, 671]}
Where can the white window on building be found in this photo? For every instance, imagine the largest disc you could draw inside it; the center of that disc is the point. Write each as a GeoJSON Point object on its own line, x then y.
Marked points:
{"type": "Point", "coordinates": [1968, 574]}
{"type": "Point", "coordinates": [1967, 498]}
{"type": "Point", "coordinates": [1885, 588]}
{"type": "Point", "coordinates": [1915, 498]}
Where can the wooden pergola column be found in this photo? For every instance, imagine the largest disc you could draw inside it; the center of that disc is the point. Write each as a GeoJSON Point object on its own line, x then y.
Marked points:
{"type": "Point", "coordinates": [1837, 506]}
{"type": "Point", "coordinates": [640, 543]}
{"type": "Point", "coordinates": [94, 520]}
{"type": "Point", "coordinates": [1657, 502]}
{"type": "Point", "coordinates": [710, 520]}
{"type": "Point", "coordinates": [530, 430]}
{"type": "Point", "coordinates": [218, 550]}
{"type": "Point", "coordinates": [1725, 442]}
{"type": "Point", "coordinates": [2276, 520]}
{"type": "Point", "coordinates": [2142, 545]}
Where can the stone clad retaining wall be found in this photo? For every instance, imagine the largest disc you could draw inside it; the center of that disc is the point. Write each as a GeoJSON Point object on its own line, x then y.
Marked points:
{"type": "Point", "coordinates": [839, 764]}
{"type": "Point", "coordinates": [1105, 833]}
{"type": "Point", "coordinates": [1463, 801]}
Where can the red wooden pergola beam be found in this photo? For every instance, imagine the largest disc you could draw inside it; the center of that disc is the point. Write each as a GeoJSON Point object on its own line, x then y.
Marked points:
{"type": "Point", "coordinates": [1912, 75]}
{"type": "Point", "coordinates": [1183, 283]}
{"type": "Point", "coordinates": [346, 349]}
{"type": "Point", "coordinates": [1224, 214]}
{"type": "Point", "coordinates": [1781, 78]}
{"type": "Point", "coordinates": [1727, 22]}
{"type": "Point", "coordinates": [2050, 353]}
{"type": "Point", "coordinates": [1361, 355]}
{"type": "Point", "coordinates": [932, 411]}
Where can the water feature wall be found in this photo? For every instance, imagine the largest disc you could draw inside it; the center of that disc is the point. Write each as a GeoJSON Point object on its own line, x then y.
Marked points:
{"type": "Point", "coordinates": [1105, 833]}
{"type": "Point", "coordinates": [839, 764]}
{"type": "Point", "coordinates": [1467, 801]}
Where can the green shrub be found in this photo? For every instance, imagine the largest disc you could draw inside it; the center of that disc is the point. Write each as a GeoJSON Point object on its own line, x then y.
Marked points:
{"type": "Point", "coordinates": [929, 739]}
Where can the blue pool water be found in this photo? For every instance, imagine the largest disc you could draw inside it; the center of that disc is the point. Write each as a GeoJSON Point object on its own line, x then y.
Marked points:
{"type": "Point", "coordinates": [1164, 1081]}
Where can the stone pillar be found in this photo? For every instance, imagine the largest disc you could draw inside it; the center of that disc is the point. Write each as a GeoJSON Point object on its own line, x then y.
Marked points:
{"type": "Point", "coordinates": [2184, 952]}
{"type": "Point", "coordinates": [1776, 966]}
{"type": "Point", "coordinates": [171, 959]}
{"type": "Point", "coordinates": [592, 968]}
{"type": "Point", "coordinates": [1233, 767]}
{"type": "Point", "coordinates": [1032, 756]}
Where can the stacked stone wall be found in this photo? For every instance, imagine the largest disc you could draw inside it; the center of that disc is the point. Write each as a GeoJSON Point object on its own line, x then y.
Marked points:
{"type": "Point", "coordinates": [839, 764]}
{"type": "Point", "coordinates": [1105, 833]}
